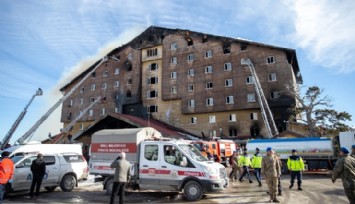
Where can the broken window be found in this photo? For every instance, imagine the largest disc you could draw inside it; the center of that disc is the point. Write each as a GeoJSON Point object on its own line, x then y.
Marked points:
{"type": "Point", "coordinates": [226, 48]}
{"type": "Point", "coordinates": [204, 39]}
{"type": "Point", "coordinates": [93, 74]}
{"type": "Point", "coordinates": [243, 46]}
{"type": "Point", "coordinates": [152, 80]}
{"type": "Point", "coordinates": [153, 67]}
{"type": "Point", "coordinates": [129, 66]}
{"type": "Point", "coordinates": [152, 94]}
{"type": "Point", "coordinates": [69, 116]}
{"type": "Point", "coordinates": [129, 81]}
{"type": "Point", "coordinates": [128, 94]}
{"type": "Point", "coordinates": [189, 41]}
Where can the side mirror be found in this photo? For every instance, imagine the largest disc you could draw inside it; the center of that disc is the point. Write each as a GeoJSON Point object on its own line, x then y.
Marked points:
{"type": "Point", "coordinates": [20, 165]}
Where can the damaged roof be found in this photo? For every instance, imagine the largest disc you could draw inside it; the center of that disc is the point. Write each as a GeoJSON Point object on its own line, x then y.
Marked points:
{"type": "Point", "coordinates": [153, 32]}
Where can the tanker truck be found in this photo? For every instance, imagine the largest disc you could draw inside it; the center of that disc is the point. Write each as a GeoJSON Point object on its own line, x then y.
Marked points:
{"type": "Point", "coordinates": [157, 164]}
{"type": "Point", "coordinates": [318, 153]}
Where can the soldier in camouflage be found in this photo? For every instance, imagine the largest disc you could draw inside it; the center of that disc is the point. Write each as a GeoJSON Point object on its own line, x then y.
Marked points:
{"type": "Point", "coordinates": [345, 168]}
{"type": "Point", "coordinates": [352, 151]}
{"type": "Point", "coordinates": [271, 171]}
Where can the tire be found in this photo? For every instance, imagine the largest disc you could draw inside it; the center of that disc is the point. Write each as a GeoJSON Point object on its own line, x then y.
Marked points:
{"type": "Point", "coordinates": [50, 188]}
{"type": "Point", "coordinates": [68, 183]}
{"type": "Point", "coordinates": [109, 186]}
{"type": "Point", "coordinates": [193, 191]}
{"type": "Point", "coordinates": [284, 169]}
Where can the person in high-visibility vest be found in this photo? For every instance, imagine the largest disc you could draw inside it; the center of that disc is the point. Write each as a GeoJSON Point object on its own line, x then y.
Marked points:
{"type": "Point", "coordinates": [296, 166]}
{"type": "Point", "coordinates": [256, 165]}
{"type": "Point", "coordinates": [245, 163]}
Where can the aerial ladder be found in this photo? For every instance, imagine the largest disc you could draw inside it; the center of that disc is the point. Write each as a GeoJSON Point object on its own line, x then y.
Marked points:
{"type": "Point", "coordinates": [30, 132]}
{"type": "Point", "coordinates": [67, 129]}
{"type": "Point", "coordinates": [8, 136]}
{"type": "Point", "coordinates": [264, 106]}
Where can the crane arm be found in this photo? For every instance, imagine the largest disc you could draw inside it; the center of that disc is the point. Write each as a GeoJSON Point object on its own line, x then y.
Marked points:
{"type": "Point", "coordinates": [73, 122]}
{"type": "Point", "coordinates": [31, 131]}
{"type": "Point", "coordinates": [8, 136]}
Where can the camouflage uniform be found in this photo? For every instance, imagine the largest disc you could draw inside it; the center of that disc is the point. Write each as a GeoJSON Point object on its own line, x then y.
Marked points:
{"type": "Point", "coordinates": [345, 168]}
{"type": "Point", "coordinates": [271, 171]}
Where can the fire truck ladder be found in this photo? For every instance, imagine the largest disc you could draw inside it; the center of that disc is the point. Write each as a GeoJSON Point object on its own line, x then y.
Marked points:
{"type": "Point", "coordinates": [8, 136]}
{"type": "Point", "coordinates": [30, 132]}
{"type": "Point", "coordinates": [73, 122]}
{"type": "Point", "coordinates": [264, 106]}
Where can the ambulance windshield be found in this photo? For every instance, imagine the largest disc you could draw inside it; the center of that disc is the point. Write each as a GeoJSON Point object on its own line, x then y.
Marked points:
{"type": "Point", "coordinates": [193, 152]}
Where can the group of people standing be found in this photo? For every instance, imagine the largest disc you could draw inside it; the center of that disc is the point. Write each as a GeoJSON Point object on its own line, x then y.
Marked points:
{"type": "Point", "coordinates": [268, 167]}
{"type": "Point", "coordinates": [38, 169]}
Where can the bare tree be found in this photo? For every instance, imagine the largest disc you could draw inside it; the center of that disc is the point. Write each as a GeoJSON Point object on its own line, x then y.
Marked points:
{"type": "Point", "coordinates": [315, 111]}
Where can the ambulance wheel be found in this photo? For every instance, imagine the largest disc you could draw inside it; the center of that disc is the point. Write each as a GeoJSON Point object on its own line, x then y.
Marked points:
{"type": "Point", "coordinates": [50, 188]}
{"type": "Point", "coordinates": [68, 183]}
{"type": "Point", "coordinates": [193, 191]}
{"type": "Point", "coordinates": [109, 186]}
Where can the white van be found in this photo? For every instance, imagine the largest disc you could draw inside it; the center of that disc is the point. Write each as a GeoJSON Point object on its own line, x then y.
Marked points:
{"type": "Point", "coordinates": [62, 169]}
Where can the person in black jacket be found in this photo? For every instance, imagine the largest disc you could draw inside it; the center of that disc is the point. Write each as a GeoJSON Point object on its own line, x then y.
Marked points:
{"type": "Point", "coordinates": [38, 168]}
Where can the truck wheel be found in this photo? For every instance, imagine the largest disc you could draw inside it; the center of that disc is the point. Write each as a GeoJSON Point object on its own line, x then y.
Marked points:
{"type": "Point", "coordinates": [193, 191]}
{"type": "Point", "coordinates": [109, 186]}
{"type": "Point", "coordinates": [50, 188]}
{"type": "Point", "coordinates": [68, 183]}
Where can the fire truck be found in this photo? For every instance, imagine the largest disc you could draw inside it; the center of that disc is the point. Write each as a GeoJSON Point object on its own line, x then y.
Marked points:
{"type": "Point", "coordinates": [224, 148]}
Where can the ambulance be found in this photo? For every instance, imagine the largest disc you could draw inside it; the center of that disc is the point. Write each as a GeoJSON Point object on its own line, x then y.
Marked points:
{"type": "Point", "coordinates": [157, 163]}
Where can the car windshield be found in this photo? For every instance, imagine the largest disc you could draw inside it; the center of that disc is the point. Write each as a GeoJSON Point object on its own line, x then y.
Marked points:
{"type": "Point", "coordinates": [193, 152]}
{"type": "Point", "coordinates": [15, 159]}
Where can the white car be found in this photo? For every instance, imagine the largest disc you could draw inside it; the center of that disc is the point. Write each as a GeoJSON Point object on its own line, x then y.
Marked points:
{"type": "Point", "coordinates": [64, 170]}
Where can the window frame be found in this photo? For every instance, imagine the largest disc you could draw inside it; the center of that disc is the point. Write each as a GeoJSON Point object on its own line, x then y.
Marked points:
{"type": "Point", "coordinates": [209, 101]}
{"type": "Point", "coordinates": [227, 66]}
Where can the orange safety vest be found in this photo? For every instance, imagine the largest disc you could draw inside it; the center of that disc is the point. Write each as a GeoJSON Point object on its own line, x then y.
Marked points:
{"type": "Point", "coordinates": [6, 170]}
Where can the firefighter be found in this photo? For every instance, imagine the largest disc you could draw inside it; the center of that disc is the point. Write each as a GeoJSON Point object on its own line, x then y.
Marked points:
{"type": "Point", "coordinates": [296, 166]}
{"type": "Point", "coordinates": [256, 165]}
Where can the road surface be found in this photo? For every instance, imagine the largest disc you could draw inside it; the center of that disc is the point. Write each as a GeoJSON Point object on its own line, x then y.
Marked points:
{"type": "Point", "coordinates": [316, 189]}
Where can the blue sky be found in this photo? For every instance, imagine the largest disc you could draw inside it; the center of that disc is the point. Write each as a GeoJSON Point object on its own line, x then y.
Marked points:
{"type": "Point", "coordinates": [46, 43]}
